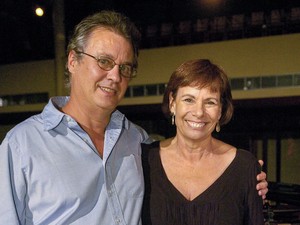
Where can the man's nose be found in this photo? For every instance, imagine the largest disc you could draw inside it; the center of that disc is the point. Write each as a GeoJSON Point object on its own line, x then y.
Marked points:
{"type": "Point", "coordinates": [114, 74]}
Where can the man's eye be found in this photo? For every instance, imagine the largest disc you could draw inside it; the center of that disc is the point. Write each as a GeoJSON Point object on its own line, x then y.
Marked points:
{"type": "Point", "coordinates": [104, 62]}
{"type": "Point", "coordinates": [125, 68]}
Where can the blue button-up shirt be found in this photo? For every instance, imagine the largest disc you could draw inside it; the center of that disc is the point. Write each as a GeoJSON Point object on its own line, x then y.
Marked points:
{"type": "Point", "coordinates": [51, 172]}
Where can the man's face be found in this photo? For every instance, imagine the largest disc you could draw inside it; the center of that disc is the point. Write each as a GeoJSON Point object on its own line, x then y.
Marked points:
{"type": "Point", "coordinates": [93, 87]}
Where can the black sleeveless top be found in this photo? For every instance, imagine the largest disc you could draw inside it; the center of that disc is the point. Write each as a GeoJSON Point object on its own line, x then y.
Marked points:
{"type": "Point", "coordinates": [231, 200]}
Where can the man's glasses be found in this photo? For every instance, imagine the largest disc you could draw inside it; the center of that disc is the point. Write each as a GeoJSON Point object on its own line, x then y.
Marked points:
{"type": "Point", "coordinates": [107, 64]}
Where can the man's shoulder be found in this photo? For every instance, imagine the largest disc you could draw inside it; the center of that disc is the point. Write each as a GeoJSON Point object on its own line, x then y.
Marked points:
{"type": "Point", "coordinates": [26, 126]}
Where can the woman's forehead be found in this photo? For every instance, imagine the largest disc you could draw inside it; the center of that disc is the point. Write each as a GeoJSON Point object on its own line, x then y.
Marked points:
{"type": "Point", "coordinates": [198, 89]}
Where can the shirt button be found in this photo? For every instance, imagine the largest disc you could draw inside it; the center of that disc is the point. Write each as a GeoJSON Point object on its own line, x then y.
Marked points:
{"type": "Point", "coordinates": [118, 220]}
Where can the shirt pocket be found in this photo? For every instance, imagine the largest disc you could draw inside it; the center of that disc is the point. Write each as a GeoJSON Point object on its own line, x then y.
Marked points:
{"type": "Point", "coordinates": [127, 175]}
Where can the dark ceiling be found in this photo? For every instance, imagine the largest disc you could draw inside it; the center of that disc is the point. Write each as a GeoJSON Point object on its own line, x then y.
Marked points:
{"type": "Point", "coordinates": [26, 37]}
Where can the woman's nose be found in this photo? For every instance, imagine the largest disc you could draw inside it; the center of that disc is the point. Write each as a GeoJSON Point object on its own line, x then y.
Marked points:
{"type": "Point", "coordinates": [199, 109]}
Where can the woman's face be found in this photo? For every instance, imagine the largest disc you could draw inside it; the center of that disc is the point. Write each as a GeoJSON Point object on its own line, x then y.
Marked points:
{"type": "Point", "coordinates": [197, 112]}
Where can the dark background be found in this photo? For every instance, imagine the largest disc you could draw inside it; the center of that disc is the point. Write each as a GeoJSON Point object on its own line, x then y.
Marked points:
{"type": "Point", "coordinates": [26, 37]}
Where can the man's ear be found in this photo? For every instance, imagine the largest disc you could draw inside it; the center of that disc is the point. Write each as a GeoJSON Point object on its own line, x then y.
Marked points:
{"type": "Point", "coordinates": [72, 61]}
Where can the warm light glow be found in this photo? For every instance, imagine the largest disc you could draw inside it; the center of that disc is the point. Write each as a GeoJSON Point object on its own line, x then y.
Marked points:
{"type": "Point", "coordinates": [211, 4]}
{"type": "Point", "coordinates": [39, 11]}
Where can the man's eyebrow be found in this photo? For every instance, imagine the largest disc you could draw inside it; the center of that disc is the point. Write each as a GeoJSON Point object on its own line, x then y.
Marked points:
{"type": "Point", "coordinates": [107, 55]}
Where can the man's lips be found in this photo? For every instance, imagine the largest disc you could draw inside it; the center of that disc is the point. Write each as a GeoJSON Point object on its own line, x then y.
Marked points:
{"type": "Point", "coordinates": [107, 89]}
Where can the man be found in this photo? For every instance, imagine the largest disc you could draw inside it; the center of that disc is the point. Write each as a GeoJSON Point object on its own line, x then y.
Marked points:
{"type": "Point", "coordinates": [78, 162]}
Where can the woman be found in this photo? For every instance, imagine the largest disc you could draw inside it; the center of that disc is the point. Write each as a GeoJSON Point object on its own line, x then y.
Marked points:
{"type": "Point", "coordinates": [193, 178]}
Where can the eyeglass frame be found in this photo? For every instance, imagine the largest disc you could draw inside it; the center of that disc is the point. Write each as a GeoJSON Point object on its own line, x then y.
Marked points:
{"type": "Point", "coordinates": [133, 68]}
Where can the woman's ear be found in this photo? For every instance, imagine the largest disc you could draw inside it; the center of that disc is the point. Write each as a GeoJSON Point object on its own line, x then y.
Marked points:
{"type": "Point", "coordinates": [220, 115]}
{"type": "Point", "coordinates": [171, 103]}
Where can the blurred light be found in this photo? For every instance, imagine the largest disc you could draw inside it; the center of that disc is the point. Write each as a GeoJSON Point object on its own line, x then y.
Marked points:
{"type": "Point", "coordinates": [39, 11]}
{"type": "Point", "coordinates": [212, 4]}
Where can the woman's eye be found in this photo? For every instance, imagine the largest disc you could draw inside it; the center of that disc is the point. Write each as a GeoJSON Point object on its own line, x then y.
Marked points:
{"type": "Point", "coordinates": [211, 103]}
{"type": "Point", "coordinates": [188, 100]}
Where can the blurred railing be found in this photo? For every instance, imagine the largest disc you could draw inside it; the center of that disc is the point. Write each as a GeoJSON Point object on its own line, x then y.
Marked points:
{"type": "Point", "coordinates": [220, 28]}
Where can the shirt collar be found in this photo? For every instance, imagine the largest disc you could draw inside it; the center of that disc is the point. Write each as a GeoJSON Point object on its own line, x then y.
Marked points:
{"type": "Point", "coordinates": [52, 116]}
{"type": "Point", "coordinates": [117, 120]}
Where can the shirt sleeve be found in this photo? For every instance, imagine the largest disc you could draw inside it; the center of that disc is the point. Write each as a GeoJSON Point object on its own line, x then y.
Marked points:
{"type": "Point", "coordinates": [145, 138]}
{"type": "Point", "coordinates": [12, 185]}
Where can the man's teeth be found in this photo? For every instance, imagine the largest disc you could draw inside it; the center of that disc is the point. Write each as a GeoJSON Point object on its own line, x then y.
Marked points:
{"type": "Point", "coordinates": [107, 89]}
{"type": "Point", "coordinates": [196, 125]}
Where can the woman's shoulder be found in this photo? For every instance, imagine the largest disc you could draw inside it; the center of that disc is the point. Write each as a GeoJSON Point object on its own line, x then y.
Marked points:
{"type": "Point", "coordinates": [148, 149]}
{"type": "Point", "coordinates": [225, 150]}
{"type": "Point", "coordinates": [246, 159]}
{"type": "Point", "coordinates": [245, 155]}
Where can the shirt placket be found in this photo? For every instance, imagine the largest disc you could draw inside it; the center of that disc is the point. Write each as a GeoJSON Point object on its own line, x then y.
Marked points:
{"type": "Point", "coordinates": [111, 138]}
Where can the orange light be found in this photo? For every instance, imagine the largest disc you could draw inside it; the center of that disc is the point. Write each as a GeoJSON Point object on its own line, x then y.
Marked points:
{"type": "Point", "coordinates": [212, 3]}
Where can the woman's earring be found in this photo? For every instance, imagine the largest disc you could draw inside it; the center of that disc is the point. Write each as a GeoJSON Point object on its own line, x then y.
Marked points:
{"type": "Point", "coordinates": [218, 128]}
{"type": "Point", "coordinates": [173, 118]}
